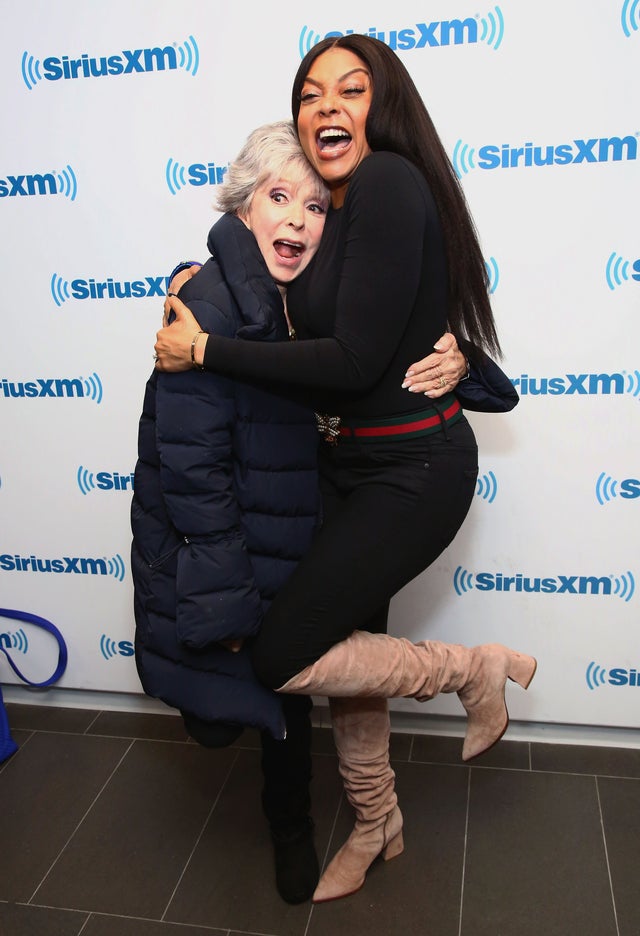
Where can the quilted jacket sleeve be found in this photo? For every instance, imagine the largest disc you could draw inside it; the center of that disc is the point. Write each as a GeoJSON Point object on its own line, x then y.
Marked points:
{"type": "Point", "coordinates": [216, 594]}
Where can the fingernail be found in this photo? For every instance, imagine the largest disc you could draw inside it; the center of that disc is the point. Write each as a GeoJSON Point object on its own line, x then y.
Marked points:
{"type": "Point", "coordinates": [437, 346]}
{"type": "Point", "coordinates": [409, 373]}
{"type": "Point", "coordinates": [405, 385]}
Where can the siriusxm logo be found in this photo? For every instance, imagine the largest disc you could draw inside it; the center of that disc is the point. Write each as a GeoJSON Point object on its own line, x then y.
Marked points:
{"type": "Point", "coordinates": [607, 488]}
{"type": "Point", "coordinates": [488, 29]}
{"type": "Point", "coordinates": [178, 176]}
{"type": "Point", "coordinates": [579, 384]}
{"type": "Point", "coordinates": [15, 641]}
{"type": "Point", "coordinates": [622, 586]}
{"type": "Point", "coordinates": [505, 156]}
{"type": "Point", "coordinates": [487, 487]}
{"type": "Point", "coordinates": [597, 676]}
{"type": "Point", "coordinates": [150, 286]}
{"type": "Point", "coordinates": [493, 273]}
{"type": "Point", "coordinates": [64, 565]}
{"type": "Point", "coordinates": [127, 62]}
{"type": "Point", "coordinates": [617, 269]}
{"type": "Point", "coordinates": [41, 183]}
{"type": "Point", "coordinates": [103, 481]}
{"type": "Point", "coordinates": [110, 648]}
{"type": "Point", "coordinates": [630, 16]}
{"type": "Point", "coordinates": [89, 388]}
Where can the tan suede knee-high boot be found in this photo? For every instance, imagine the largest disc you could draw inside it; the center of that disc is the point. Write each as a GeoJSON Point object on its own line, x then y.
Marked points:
{"type": "Point", "coordinates": [361, 731]}
{"type": "Point", "coordinates": [378, 665]}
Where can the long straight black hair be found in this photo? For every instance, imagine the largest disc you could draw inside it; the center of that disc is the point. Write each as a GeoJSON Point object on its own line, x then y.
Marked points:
{"type": "Point", "coordinates": [399, 122]}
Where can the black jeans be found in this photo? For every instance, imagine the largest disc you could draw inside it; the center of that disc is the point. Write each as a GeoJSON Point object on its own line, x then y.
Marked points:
{"type": "Point", "coordinates": [389, 510]}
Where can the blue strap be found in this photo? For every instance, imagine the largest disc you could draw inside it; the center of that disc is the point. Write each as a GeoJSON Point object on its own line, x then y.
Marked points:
{"type": "Point", "coordinates": [7, 745]}
{"type": "Point", "coordinates": [48, 626]}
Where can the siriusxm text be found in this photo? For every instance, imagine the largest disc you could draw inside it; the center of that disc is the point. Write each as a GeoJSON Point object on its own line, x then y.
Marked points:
{"type": "Point", "coordinates": [557, 584]}
{"type": "Point", "coordinates": [126, 62]}
{"type": "Point", "coordinates": [43, 387]}
{"type": "Point", "coordinates": [120, 289]}
{"type": "Point", "coordinates": [630, 488]}
{"type": "Point", "coordinates": [114, 481]}
{"type": "Point", "coordinates": [209, 174]}
{"type": "Point", "coordinates": [619, 676]}
{"type": "Point", "coordinates": [66, 565]}
{"type": "Point", "coordinates": [422, 35]}
{"type": "Point", "coordinates": [594, 150]}
{"type": "Point", "coordinates": [569, 384]}
{"type": "Point", "coordinates": [36, 184]}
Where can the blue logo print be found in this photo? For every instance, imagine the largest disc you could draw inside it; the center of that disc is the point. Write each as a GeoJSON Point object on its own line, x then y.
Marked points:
{"type": "Point", "coordinates": [127, 62]}
{"type": "Point", "coordinates": [597, 676]}
{"type": "Point", "coordinates": [579, 384]}
{"type": "Point", "coordinates": [607, 488]}
{"type": "Point", "coordinates": [103, 481]}
{"type": "Point", "coordinates": [488, 29]}
{"type": "Point", "coordinates": [65, 565]}
{"type": "Point", "coordinates": [487, 487]}
{"type": "Point", "coordinates": [109, 648]}
{"type": "Point", "coordinates": [630, 16]}
{"type": "Point", "coordinates": [149, 286]}
{"type": "Point", "coordinates": [493, 272]}
{"type": "Point", "coordinates": [505, 156]}
{"type": "Point", "coordinates": [41, 183]}
{"type": "Point", "coordinates": [15, 641]}
{"type": "Point", "coordinates": [617, 269]}
{"type": "Point", "coordinates": [178, 176]}
{"type": "Point", "coordinates": [89, 388]}
{"type": "Point", "coordinates": [622, 586]}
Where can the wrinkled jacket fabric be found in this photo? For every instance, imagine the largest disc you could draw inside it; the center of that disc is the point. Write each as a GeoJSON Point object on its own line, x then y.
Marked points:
{"type": "Point", "coordinates": [225, 501]}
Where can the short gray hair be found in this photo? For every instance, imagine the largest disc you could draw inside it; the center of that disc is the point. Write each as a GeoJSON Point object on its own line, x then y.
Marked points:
{"type": "Point", "coordinates": [267, 153]}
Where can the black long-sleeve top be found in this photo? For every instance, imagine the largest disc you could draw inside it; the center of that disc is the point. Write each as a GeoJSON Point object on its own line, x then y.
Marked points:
{"type": "Point", "coordinates": [372, 301]}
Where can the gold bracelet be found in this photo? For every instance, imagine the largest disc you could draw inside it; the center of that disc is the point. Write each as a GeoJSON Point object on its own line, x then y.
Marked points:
{"type": "Point", "coordinates": [194, 363]}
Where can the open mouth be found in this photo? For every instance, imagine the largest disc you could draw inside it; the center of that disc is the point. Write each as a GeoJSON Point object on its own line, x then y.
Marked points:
{"type": "Point", "coordinates": [288, 250]}
{"type": "Point", "coordinates": [333, 139]}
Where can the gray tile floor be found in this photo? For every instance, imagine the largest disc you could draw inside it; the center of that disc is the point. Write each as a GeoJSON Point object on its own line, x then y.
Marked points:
{"type": "Point", "coordinates": [114, 824]}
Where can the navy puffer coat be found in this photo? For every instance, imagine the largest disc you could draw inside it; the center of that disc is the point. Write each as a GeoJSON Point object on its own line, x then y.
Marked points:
{"type": "Point", "coordinates": [225, 501]}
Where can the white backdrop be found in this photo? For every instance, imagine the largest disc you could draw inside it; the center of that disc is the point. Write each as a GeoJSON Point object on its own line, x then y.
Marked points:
{"type": "Point", "coordinates": [119, 119]}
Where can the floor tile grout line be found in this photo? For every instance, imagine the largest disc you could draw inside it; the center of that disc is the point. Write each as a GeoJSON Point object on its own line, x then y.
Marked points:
{"type": "Point", "coordinates": [197, 841]}
{"type": "Point", "coordinates": [113, 737]}
{"type": "Point", "coordinates": [87, 811]}
{"type": "Point", "coordinates": [85, 924]}
{"type": "Point", "coordinates": [325, 856]}
{"type": "Point", "coordinates": [88, 728]}
{"type": "Point", "coordinates": [120, 916]}
{"type": "Point", "coordinates": [606, 855]}
{"type": "Point", "coordinates": [565, 773]}
{"type": "Point", "coordinates": [464, 852]}
{"type": "Point", "coordinates": [22, 745]}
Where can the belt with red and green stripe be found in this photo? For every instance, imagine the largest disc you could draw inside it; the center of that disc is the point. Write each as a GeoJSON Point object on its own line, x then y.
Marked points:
{"type": "Point", "coordinates": [400, 427]}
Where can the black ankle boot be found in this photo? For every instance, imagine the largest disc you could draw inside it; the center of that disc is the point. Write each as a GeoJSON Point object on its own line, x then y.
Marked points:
{"type": "Point", "coordinates": [286, 766]}
{"type": "Point", "coordinates": [297, 868]}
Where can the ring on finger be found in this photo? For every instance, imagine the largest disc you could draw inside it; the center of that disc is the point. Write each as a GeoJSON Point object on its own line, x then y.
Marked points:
{"type": "Point", "coordinates": [442, 382]}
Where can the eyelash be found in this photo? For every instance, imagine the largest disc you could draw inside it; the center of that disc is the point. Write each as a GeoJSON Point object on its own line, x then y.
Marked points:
{"type": "Point", "coordinates": [275, 195]}
{"type": "Point", "coordinates": [308, 96]}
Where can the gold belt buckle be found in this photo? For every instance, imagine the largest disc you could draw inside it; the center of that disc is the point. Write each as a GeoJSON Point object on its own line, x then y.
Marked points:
{"type": "Point", "coordinates": [329, 428]}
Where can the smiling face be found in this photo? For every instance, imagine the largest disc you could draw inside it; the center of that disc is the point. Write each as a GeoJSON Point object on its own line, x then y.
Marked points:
{"type": "Point", "coordinates": [286, 217]}
{"type": "Point", "coordinates": [334, 104]}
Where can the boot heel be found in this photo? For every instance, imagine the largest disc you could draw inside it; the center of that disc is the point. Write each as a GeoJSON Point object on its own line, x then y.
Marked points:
{"type": "Point", "coordinates": [394, 847]}
{"type": "Point", "coordinates": [522, 669]}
